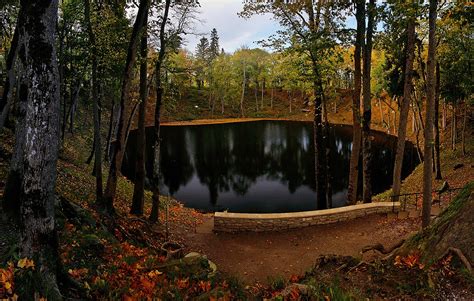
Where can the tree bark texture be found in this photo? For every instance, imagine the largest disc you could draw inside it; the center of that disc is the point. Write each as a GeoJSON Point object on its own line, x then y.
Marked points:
{"type": "Point", "coordinates": [36, 148]}
{"type": "Point", "coordinates": [356, 138]}
{"type": "Point", "coordinates": [436, 124]}
{"type": "Point", "coordinates": [140, 174]}
{"type": "Point", "coordinates": [119, 148]}
{"type": "Point", "coordinates": [367, 108]}
{"type": "Point", "coordinates": [96, 102]}
{"type": "Point", "coordinates": [154, 215]}
{"type": "Point", "coordinates": [405, 107]}
{"type": "Point", "coordinates": [430, 102]}
{"type": "Point", "coordinates": [7, 97]}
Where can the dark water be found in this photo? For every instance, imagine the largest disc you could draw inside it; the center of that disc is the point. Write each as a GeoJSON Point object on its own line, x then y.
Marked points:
{"type": "Point", "coordinates": [263, 166]}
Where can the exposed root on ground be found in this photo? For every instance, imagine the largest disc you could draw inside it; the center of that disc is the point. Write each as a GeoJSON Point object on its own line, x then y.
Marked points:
{"type": "Point", "coordinates": [460, 255]}
{"type": "Point", "coordinates": [380, 248]}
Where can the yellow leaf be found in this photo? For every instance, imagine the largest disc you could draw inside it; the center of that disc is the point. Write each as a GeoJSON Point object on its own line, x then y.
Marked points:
{"type": "Point", "coordinates": [26, 263]}
{"type": "Point", "coordinates": [154, 273]}
{"type": "Point", "coordinates": [8, 285]}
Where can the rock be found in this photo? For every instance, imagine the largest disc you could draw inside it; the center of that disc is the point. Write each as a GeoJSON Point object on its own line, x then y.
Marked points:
{"type": "Point", "coordinates": [194, 254]}
{"type": "Point", "coordinates": [92, 242]}
{"type": "Point", "coordinates": [196, 267]}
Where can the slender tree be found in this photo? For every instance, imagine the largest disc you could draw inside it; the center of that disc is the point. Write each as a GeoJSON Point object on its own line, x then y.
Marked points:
{"type": "Point", "coordinates": [367, 108]}
{"type": "Point", "coordinates": [406, 100]}
{"type": "Point", "coordinates": [119, 147]}
{"type": "Point", "coordinates": [140, 174]}
{"type": "Point", "coordinates": [154, 215]}
{"type": "Point", "coordinates": [436, 125]}
{"type": "Point", "coordinates": [96, 102]}
{"type": "Point", "coordinates": [356, 137]}
{"type": "Point", "coordinates": [430, 103]}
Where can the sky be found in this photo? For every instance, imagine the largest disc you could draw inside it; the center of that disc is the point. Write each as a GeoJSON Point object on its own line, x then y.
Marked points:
{"type": "Point", "coordinates": [234, 32]}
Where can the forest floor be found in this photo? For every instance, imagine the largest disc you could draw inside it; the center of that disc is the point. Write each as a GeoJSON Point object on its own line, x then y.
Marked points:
{"type": "Point", "coordinates": [124, 259]}
{"type": "Point", "coordinates": [266, 256]}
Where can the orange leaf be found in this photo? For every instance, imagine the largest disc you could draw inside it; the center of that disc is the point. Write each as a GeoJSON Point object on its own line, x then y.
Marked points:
{"type": "Point", "coordinates": [182, 283]}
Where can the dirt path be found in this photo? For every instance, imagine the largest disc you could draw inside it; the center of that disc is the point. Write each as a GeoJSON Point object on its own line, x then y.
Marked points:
{"type": "Point", "coordinates": [260, 256]}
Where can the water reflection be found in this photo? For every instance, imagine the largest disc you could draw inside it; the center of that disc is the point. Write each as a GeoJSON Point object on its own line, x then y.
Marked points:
{"type": "Point", "coordinates": [265, 166]}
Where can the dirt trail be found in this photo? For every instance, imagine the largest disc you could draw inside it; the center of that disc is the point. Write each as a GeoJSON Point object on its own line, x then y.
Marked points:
{"type": "Point", "coordinates": [260, 256]}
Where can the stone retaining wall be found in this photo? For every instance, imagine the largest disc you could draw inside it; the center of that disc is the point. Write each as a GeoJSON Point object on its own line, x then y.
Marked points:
{"type": "Point", "coordinates": [249, 222]}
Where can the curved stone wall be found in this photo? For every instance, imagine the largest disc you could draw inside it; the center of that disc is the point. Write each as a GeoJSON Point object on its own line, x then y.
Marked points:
{"type": "Point", "coordinates": [251, 222]}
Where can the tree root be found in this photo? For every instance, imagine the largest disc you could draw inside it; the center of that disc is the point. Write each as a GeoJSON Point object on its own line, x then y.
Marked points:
{"type": "Point", "coordinates": [379, 247]}
{"type": "Point", "coordinates": [461, 257]}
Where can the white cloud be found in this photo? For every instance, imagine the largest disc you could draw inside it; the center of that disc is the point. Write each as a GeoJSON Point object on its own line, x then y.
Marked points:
{"type": "Point", "coordinates": [233, 31]}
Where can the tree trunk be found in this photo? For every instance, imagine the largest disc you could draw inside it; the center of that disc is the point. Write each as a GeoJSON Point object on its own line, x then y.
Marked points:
{"type": "Point", "coordinates": [366, 132]}
{"type": "Point", "coordinates": [289, 98]}
{"type": "Point", "coordinates": [381, 113]}
{"type": "Point", "coordinates": [154, 215]}
{"type": "Point", "coordinates": [453, 128]}
{"type": "Point", "coordinates": [73, 108]}
{"type": "Point", "coordinates": [319, 139]}
{"type": "Point", "coordinates": [436, 124]}
{"type": "Point", "coordinates": [37, 144]}
{"type": "Point", "coordinates": [271, 100]}
{"type": "Point", "coordinates": [389, 121]}
{"type": "Point", "coordinates": [112, 131]}
{"type": "Point", "coordinates": [119, 148]}
{"type": "Point", "coordinates": [417, 136]}
{"type": "Point", "coordinates": [96, 102]}
{"type": "Point", "coordinates": [463, 134]}
{"type": "Point", "coordinates": [62, 80]}
{"type": "Point", "coordinates": [320, 150]}
{"type": "Point", "coordinates": [140, 173]}
{"type": "Point", "coordinates": [444, 115]}
{"type": "Point", "coordinates": [10, 203]}
{"type": "Point", "coordinates": [243, 94]}
{"type": "Point", "coordinates": [356, 136]}
{"type": "Point", "coordinates": [405, 107]}
{"type": "Point", "coordinates": [7, 97]}
{"type": "Point", "coordinates": [328, 153]}
{"type": "Point", "coordinates": [430, 101]}
{"type": "Point", "coordinates": [256, 98]}
{"type": "Point", "coordinates": [222, 103]}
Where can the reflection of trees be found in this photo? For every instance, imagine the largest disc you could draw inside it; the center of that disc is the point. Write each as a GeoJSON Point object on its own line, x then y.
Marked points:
{"type": "Point", "coordinates": [231, 157]}
{"type": "Point", "coordinates": [248, 155]}
{"type": "Point", "coordinates": [213, 164]}
{"type": "Point", "coordinates": [176, 166]}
